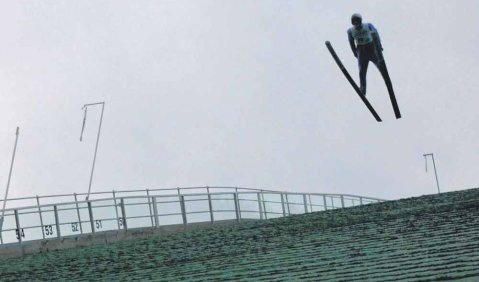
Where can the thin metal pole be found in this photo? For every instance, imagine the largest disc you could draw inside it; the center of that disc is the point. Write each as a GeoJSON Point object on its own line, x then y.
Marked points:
{"type": "Point", "coordinates": [435, 171]}
{"type": "Point", "coordinates": [57, 221]}
{"type": "Point", "coordinates": [210, 205]}
{"type": "Point", "coordinates": [149, 206]}
{"type": "Point", "coordinates": [19, 230]}
{"type": "Point", "coordinates": [97, 141]}
{"type": "Point", "coordinates": [78, 213]}
{"type": "Point", "coordinates": [9, 178]}
{"type": "Point", "coordinates": [183, 209]}
{"type": "Point", "coordinates": [41, 218]}
{"type": "Point", "coordinates": [155, 212]}
{"type": "Point", "coordinates": [287, 203]}
{"type": "Point", "coordinates": [90, 212]}
{"type": "Point", "coordinates": [264, 205]}
{"type": "Point", "coordinates": [282, 205]}
{"type": "Point", "coordinates": [259, 206]}
{"type": "Point", "coordinates": [123, 212]}
{"type": "Point", "coordinates": [209, 202]}
{"type": "Point", "coordinates": [235, 197]}
{"type": "Point", "coordinates": [116, 211]}
{"type": "Point", "coordinates": [305, 204]}
{"type": "Point", "coordinates": [239, 203]}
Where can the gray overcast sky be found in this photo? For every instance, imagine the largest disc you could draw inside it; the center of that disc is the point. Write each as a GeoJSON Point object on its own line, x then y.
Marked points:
{"type": "Point", "coordinates": [237, 93]}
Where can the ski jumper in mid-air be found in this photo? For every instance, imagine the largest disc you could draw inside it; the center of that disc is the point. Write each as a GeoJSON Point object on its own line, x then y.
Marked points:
{"type": "Point", "coordinates": [366, 45]}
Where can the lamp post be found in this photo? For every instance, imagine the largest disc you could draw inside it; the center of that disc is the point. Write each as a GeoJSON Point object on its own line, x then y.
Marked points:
{"type": "Point", "coordinates": [9, 177]}
{"type": "Point", "coordinates": [85, 107]}
{"type": "Point", "coordinates": [435, 171]}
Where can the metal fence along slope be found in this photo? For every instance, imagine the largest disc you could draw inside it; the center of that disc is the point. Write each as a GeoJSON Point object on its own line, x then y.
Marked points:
{"type": "Point", "coordinates": [428, 238]}
{"type": "Point", "coordinates": [58, 216]}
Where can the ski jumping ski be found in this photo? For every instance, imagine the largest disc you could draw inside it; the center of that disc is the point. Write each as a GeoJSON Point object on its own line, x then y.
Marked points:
{"type": "Point", "coordinates": [355, 86]}
{"type": "Point", "coordinates": [389, 86]}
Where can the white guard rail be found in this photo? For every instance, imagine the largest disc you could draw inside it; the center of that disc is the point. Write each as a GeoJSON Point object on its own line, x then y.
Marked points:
{"type": "Point", "coordinates": [58, 216]}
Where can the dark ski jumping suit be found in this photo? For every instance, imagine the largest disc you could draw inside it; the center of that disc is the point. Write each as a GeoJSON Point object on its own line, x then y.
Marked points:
{"type": "Point", "coordinates": [366, 46]}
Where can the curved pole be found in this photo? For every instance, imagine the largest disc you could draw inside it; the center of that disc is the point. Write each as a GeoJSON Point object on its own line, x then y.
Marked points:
{"type": "Point", "coordinates": [435, 171]}
{"type": "Point", "coordinates": [97, 140]}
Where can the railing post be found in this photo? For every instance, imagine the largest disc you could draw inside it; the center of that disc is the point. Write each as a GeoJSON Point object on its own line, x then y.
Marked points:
{"type": "Point", "coordinates": [264, 206]}
{"type": "Point", "coordinates": [149, 207]}
{"type": "Point", "coordinates": [260, 207]}
{"type": "Point", "coordinates": [123, 213]}
{"type": "Point", "coordinates": [235, 197]}
{"type": "Point", "coordinates": [90, 212]}
{"type": "Point", "coordinates": [325, 203]}
{"type": "Point", "coordinates": [57, 222]}
{"type": "Point", "coordinates": [183, 209]}
{"type": "Point", "coordinates": [41, 218]}
{"type": "Point", "coordinates": [305, 204]}
{"type": "Point", "coordinates": [282, 205]}
{"type": "Point", "coordinates": [342, 201]}
{"type": "Point", "coordinates": [155, 212]}
{"type": "Point", "coordinates": [239, 204]}
{"type": "Point", "coordinates": [361, 201]}
{"type": "Point", "coordinates": [116, 210]}
{"type": "Point", "coordinates": [210, 204]}
{"type": "Point", "coordinates": [19, 230]}
{"type": "Point", "coordinates": [287, 202]}
{"type": "Point", "coordinates": [78, 213]}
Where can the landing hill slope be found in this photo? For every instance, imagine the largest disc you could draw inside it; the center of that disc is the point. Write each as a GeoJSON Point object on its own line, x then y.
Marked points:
{"type": "Point", "coordinates": [428, 238]}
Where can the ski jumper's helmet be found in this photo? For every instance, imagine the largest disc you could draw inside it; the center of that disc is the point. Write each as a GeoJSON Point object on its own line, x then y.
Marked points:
{"type": "Point", "coordinates": [356, 19]}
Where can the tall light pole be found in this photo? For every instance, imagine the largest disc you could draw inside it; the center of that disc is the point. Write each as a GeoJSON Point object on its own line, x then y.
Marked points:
{"type": "Point", "coordinates": [9, 177]}
{"type": "Point", "coordinates": [435, 171]}
{"type": "Point", "coordinates": [85, 107]}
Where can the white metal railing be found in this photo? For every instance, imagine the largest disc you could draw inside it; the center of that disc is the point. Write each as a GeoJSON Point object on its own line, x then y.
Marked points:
{"type": "Point", "coordinates": [57, 216]}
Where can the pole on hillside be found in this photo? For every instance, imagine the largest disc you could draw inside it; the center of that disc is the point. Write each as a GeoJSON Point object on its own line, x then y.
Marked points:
{"type": "Point", "coordinates": [97, 139]}
{"type": "Point", "coordinates": [435, 171]}
{"type": "Point", "coordinates": [9, 178]}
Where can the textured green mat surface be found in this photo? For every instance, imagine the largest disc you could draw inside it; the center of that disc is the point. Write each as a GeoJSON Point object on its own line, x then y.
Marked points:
{"type": "Point", "coordinates": [429, 238]}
